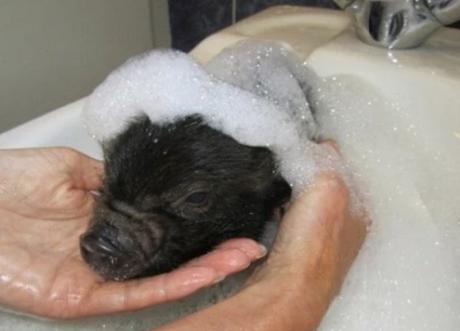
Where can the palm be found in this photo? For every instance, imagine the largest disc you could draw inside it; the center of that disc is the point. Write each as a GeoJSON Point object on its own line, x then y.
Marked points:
{"type": "Point", "coordinates": [45, 205]}
{"type": "Point", "coordinates": [41, 265]}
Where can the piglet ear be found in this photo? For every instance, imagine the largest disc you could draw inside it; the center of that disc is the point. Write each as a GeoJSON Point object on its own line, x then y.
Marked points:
{"type": "Point", "coordinates": [280, 192]}
{"type": "Point", "coordinates": [265, 178]}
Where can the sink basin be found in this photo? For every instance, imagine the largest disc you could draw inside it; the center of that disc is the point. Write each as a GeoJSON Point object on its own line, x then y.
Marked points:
{"type": "Point", "coordinates": [396, 116]}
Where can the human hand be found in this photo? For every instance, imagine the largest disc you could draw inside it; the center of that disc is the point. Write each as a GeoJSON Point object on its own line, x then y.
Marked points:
{"type": "Point", "coordinates": [316, 244]}
{"type": "Point", "coordinates": [318, 240]}
{"type": "Point", "coordinates": [328, 245]}
{"type": "Point", "coordinates": [45, 204]}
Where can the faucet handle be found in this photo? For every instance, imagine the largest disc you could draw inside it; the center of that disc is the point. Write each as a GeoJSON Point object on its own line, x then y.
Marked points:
{"type": "Point", "coordinates": [393, 23]}
{"type": "Point", "coordinates": [445, 11]}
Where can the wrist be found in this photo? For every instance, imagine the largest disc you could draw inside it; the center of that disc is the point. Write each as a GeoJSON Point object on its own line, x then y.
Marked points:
{"type": "Point", "coordinates": [283, 276]}
{"type": "Point", "coordinates": [295, 303]}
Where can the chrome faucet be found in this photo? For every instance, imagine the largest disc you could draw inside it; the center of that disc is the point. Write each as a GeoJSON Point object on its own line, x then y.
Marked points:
{"type": "Point", "coordinates": [400, 23]}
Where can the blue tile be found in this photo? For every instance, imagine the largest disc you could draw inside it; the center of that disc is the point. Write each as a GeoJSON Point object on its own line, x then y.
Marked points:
{"type": "Point", "coordinates": [192, 21]}
{"type": "Point", "coordinates": [247, 8]}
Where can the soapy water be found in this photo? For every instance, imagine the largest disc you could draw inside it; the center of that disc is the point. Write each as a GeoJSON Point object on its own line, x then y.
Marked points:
{"type": "Point", "coordinates": [407, 274]}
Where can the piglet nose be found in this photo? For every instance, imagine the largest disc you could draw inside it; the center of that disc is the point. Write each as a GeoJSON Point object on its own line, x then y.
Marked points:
{"type": "Point", "coordinates": [100, 243]}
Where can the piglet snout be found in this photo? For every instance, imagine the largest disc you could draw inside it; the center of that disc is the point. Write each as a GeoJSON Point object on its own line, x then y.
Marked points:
{"type": "Point", "coordinates": [94, 243]}
{"type": "Point", "coordinates": [120, 251]}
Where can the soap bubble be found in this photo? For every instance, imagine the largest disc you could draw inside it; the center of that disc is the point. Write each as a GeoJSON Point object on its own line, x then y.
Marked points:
{"type": "Point", "coordinates": [407, 274]}
{"type": "Point", "coordinates": [254, 92]}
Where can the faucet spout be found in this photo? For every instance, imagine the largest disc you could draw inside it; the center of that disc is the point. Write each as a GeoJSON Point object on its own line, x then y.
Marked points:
{"type": "Point", "coordinates": [400, 23]}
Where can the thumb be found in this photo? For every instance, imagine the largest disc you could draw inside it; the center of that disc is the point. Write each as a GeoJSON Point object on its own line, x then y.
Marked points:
{"type": "Point", "coordinates": [304, 221]}
{"type": "Point", "coordinates": [87, 172]}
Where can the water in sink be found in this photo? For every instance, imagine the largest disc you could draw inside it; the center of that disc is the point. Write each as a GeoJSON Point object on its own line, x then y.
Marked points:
{"type": "Point", "coordinates": [406, 162]}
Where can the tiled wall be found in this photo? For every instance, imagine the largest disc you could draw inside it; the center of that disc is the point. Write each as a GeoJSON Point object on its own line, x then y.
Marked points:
{"type": "Point", "coordinates": [245, 8]}
{"type": "Point", "coordinates": [192, 21]}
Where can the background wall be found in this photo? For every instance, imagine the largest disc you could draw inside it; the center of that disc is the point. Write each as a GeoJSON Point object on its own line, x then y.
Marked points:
{"type": "Point", "coordinates": [53, 52]}
{"type": "Point", "coordinates": [192, 21]}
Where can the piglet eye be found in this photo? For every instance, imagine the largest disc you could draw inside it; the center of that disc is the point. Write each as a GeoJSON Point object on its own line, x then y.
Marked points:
{"type": "Point", "coordinates": [197, 198]}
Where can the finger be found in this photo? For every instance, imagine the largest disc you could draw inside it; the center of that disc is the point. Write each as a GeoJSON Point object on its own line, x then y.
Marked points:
{"type": "Point", "coordinates": [317, 203]}
{"type": "Point", "coordinates": [232, 256]}
{"type": "Point", "coordinates": [354, 235]}
{"type": "Point", "coordinates": [88, 173]}
{"type": "Point", "coordinates": [112, 297]}
{"type": "Point", "coordinates": [251, 248]}
{"type": "Point", "coordinates": [307, 215]}
{"type": "Point", "coordinates": [92, 174]}
{"type": "Point", "coordinates": [332, 143]}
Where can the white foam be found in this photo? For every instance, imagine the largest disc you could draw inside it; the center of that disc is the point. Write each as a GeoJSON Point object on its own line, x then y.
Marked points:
{"type": "Point", "coordinates": [407, 275]}
{"type": "Point", "coordinates": [251, 92]}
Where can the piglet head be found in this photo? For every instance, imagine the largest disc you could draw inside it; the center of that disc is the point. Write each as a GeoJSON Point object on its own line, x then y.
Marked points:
{"type": "Point", "coordinates": [174, 191]}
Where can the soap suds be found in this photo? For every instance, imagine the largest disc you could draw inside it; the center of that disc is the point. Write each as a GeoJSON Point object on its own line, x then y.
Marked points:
{"type": "Point", "coordinates": [254, 93]}
{"type": "Point", "coordinates": [407, 274]}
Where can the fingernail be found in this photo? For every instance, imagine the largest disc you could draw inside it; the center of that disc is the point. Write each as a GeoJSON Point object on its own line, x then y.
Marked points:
{"type": "Point", "coordinates": [262, 252]}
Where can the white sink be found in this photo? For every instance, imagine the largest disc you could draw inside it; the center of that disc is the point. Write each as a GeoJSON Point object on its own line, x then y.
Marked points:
{"type": "Point", "coordinates": [396, 116]}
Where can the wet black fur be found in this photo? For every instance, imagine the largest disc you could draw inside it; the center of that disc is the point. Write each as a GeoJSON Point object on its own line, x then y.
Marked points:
{"type": "Point", "coordinates": [175, 191]}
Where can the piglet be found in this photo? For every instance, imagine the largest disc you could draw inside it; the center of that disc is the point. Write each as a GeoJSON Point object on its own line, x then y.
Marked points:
{"type": "Point", "coordinates": [174, 191]}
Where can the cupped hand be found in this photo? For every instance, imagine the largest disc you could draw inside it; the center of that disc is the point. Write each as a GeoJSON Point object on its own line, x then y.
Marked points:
{"type": "Point", "coordinates": [319, 238]}
{"type": "Point", "coordinates": [45, 204]}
